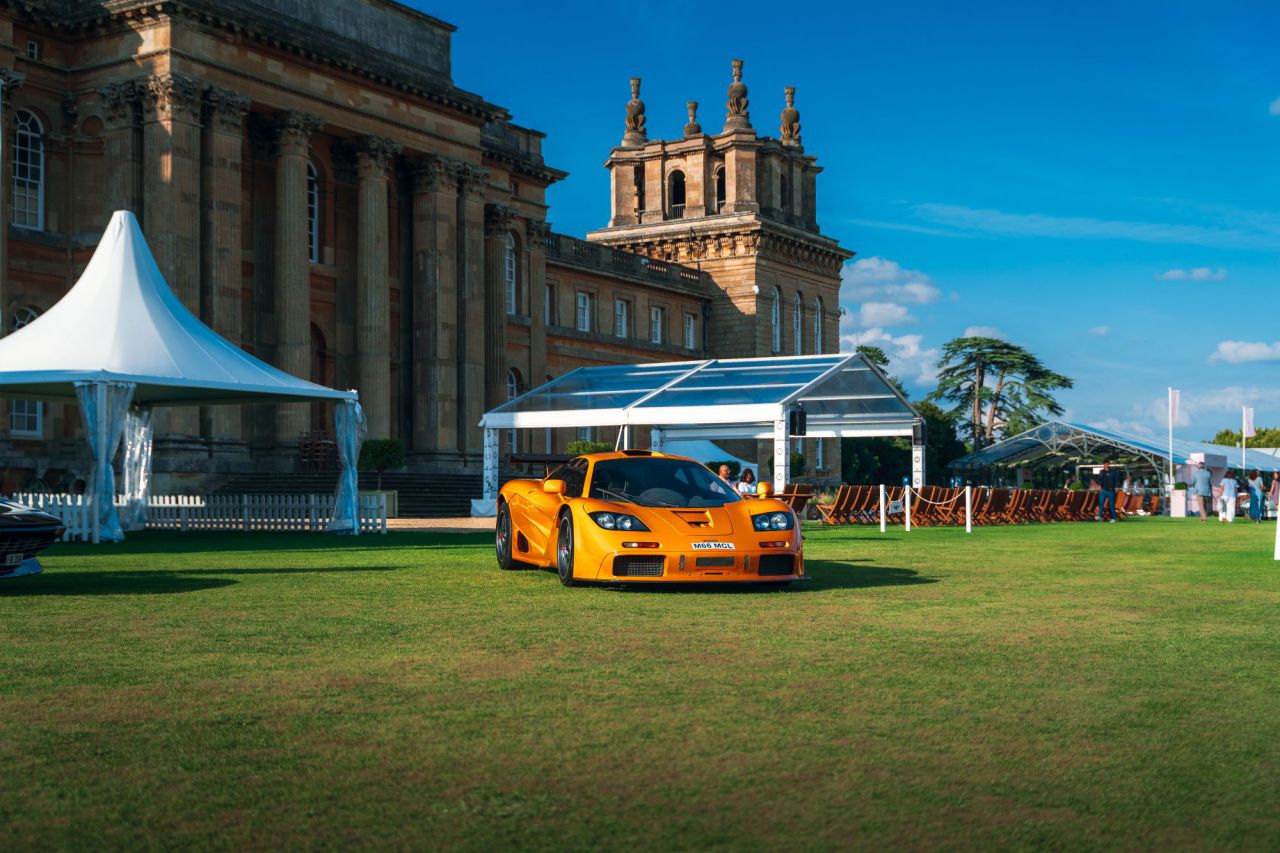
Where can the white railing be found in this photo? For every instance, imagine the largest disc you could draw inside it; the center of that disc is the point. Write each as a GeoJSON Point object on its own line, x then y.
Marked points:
{"type": "Point", "coordinates": [244, 513]}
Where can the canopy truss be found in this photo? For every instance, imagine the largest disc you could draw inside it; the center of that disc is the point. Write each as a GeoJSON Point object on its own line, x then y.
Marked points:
{"type": "Point", "coordinates": [841, 394]}
{"type": "Point", "coordinates": [1080, 442]}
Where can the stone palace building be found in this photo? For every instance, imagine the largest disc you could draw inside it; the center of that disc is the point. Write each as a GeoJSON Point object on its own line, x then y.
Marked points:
{"type": "Point", "coordinates": [315, 188]}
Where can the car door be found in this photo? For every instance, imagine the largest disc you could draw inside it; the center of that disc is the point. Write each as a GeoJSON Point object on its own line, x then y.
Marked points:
{"type": "Point", "coordinates": [543, 509]}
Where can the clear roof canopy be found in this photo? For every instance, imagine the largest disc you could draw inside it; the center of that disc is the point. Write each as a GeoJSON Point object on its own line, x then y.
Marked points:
{"type": "Point", "coordinates": [841, 394]}
{"type": "Point", "coordinates": [1060, 439]}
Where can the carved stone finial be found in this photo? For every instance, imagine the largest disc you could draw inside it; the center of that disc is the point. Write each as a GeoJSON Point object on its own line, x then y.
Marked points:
{"type": "Point", "coordinates": [738, 118]}
{"type": "Point", "coordinates": [692, 128]}
{"type": "Point", "coordinates": [790, 118]}
{"type": "Point", "coordinates": [635, 133]}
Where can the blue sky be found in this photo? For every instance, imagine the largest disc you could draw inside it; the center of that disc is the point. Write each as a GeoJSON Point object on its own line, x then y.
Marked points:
{"type": "Point", "coordinates": [1097, 182]}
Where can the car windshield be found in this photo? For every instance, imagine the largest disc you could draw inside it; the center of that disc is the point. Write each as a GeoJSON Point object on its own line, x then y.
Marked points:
{"type": "Point", "coordinates": [659, 482]}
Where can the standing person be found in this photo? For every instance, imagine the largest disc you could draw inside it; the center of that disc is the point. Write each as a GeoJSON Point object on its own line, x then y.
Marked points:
{"type": "Point", "coordinates": [1274, 494]}
{"type": "Point", "coordinates": [747, 485]}
{"type": "Point", "coordinates": [1106, 481]}
{"type": "Point", "coordinates": [1256, 496]}
{"type": "Point", "coordinates": [1228, 497]}
{"type": "Point", "coordinates": [1202, 488]}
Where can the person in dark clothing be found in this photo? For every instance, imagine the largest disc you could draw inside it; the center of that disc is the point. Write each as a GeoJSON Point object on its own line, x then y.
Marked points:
{"type": "Point", "coordinates": [1106, 481]}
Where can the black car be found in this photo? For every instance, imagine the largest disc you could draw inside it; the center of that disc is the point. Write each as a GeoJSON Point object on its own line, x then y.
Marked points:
{"type": "Point", "coordinates": [24, 532]}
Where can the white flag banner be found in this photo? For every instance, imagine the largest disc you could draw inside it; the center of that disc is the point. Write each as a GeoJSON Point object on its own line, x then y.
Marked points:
{"type": "Point", "coordinates": [1175, 397]}
{"type": "Point", "coordinates": [1249, 431]}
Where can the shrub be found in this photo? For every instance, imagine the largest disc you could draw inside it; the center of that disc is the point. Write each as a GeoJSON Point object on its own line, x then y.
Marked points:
{"type": "Point", "coordinates": [735, 467]}
{"type": "Point", "coordinates": [1076, 486]}
{"type": "Point", "coordinates": [381, 454]}
{"type": "Point", "coordinates": [584, 446]}
{"type": "Point", "coordinates": [1180, 486]}
{"type": "Point", "coordinates": [797, 464]}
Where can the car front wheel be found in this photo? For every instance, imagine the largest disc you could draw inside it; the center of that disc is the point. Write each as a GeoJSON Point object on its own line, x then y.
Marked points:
{"type": "Point", "coordinates": [564, 550]}
{"type": "Point", "coordinates": [502, 538]}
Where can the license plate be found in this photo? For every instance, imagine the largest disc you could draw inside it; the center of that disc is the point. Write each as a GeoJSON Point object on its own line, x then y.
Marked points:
{"type": "Point", "coordinates": [713, 546]}
{"type": "Point", "coordinates": [13, 559]}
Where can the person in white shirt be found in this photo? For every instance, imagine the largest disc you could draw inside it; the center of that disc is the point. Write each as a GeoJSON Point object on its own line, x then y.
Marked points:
{"type": "Point", "coordinates": [747, 485]}
{"type": "Point", "coordinates": [1227, 498]}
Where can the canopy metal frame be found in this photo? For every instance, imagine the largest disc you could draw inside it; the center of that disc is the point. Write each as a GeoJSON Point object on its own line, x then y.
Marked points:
{"type": "Point", "coordinates": [754, 399]}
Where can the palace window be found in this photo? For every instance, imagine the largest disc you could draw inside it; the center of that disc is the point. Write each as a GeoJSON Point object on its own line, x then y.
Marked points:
{"type": "Point", "coordinates": [657, 317]}
{"type": "Point", "coordinates": [817, 325]}
{"type": "Point", "coordinates": [584, 433]}
{"type": "Point", "coordinates": [775, 318]}
{"type": "Point", "coordinates": [720, 189]}
{"type": "Point", "coordinates": [509, 273]}
{"type": "Point", "coordinates": [549, 305]}
{"type": "Point", "coordinates": [819, 459]}
{"type": "Point", "coordinates": [28, 172]}
{"type": "Point", "coordinates": [313, 214]}
{"type": "Point", "coordinates": [584, 312]}
{"type": "Point", "coordinates": [688, 331]}
{"type": "Point", "coordinates": [26, 417]}
{"type": "Point", "coordinates": [784, 203]}
{"type": "Point", "coordinates": [621, 318]}
{"type": "Point", "coordinates": [797, 309]}
{"type": "Point", "coordinates": [677, 195]}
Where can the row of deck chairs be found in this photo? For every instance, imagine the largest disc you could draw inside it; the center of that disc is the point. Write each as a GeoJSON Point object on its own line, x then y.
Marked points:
{"type": "Point", "coordinates": [936, 505]}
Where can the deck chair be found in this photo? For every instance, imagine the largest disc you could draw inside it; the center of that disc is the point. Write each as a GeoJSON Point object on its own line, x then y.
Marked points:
{"type": "Point", "coordinates": [834, 512]}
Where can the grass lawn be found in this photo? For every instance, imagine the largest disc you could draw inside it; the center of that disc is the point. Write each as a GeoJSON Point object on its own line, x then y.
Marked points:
{"type": "Point", "coordinates": [1065, 686]}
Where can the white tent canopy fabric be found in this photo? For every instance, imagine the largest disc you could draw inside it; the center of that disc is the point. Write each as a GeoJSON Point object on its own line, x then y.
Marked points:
{"type": "Point", "coordinates": [121, 334]}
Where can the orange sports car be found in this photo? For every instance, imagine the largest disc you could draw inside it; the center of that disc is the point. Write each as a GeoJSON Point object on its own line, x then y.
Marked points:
{"type": "Point", "coordinates": [635, 516]}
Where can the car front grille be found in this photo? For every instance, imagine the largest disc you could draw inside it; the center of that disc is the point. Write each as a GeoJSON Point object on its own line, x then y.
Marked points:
{"type": "Point", "coordinates": [27, 544]}
{"type": "Point", "coordinates": [777, 565]}
{"type": "Point", "coordinates": [637, 567]}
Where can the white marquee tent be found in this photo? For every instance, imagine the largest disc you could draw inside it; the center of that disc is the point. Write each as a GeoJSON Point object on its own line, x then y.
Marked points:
{"type": "Point", "coordinates": [121, 338]}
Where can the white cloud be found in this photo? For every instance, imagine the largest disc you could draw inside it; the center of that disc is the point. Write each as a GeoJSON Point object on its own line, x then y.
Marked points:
{"type": "Point", "coordinates": [908, 358]}
{"type": "Point", "coordinates": [1220, 405]}
{"type": "Point", "coordinates": [1274, 109]}
{"type": "Point", "coordinates": [1194, 274]}
{"type": "Point", "coordinates": [877, 292]}
{"type": "Point", "coordinates": [883, 314]}
{"type": "Point", "coordinates": [1237, 231]}
{"type": "Point", "coordinates": [1100, 331]}
{"type": "Point", "coordinates": [1240, 352]}
{"type": "Point", "coordinates": [1118, 425]}
{"type": "Point", "coordinates": [983, 332]}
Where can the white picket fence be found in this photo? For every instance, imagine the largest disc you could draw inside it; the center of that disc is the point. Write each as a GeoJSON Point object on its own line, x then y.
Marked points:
{"type": "Point", "coordinates": [245, 513]}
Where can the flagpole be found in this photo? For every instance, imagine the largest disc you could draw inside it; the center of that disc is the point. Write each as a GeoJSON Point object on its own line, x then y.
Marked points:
{"type": "Point", "coordinates": [1244, 438]}
{"type": "Point", "coordinates": [1171, 444]}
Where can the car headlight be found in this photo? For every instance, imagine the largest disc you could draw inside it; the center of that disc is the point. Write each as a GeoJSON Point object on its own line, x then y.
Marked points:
{"type": "Point", "coordinates": [617, 521]}
{"type": "Point", "coordinates": [772, 521]}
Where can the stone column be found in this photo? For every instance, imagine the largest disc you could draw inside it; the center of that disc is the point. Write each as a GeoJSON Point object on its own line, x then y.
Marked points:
{"type": "Point", "coordinates": [120, 120]}
{"type": "Point", "coordinates": [293, 265]}
{"type": "Point", "coordinates": [10, 80]}
{"type": "Point", "coordinates": [497, 225]}
{"type": "Point", "coordinates": [222, 212]}
{"type": "Point", "coordinates": [435, 334]}
{"type": "Point", "coordinates": [171, 113]}
{"type": "Point", "coordinates": [373, 297]}
{"type": "Point", "coordinates": [471, 311]}
{"type": "Point", "coordinates": [535, 250]}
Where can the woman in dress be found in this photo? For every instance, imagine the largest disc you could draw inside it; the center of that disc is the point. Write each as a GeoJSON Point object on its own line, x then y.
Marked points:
{"type": "Point", "coordinates": [1255, 496]}
{"type": "Point", "coordinates": [747, 485]}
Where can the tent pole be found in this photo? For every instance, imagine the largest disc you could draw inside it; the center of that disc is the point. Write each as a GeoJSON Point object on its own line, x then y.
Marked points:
{"type": "Point", "coordinates": [100, 403]}
{"type": "Point", "coordinates": [490, 464]}
{"type": "Point", "coordinates": [781, 459]}
{"type": "Point", "coordinates": [655, 440]}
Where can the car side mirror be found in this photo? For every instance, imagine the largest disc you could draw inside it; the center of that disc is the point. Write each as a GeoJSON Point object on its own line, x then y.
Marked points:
{"type": "Point", "coordinates": [553, 487]}
{"type": "Point", "coordinates": [763, 490]}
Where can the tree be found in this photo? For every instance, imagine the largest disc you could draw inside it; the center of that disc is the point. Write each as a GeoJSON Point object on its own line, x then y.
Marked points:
{"type": "Point", "coordinates": [1266, 437]}
{"type": "Point", "coordinates": [381, 454]}
{"type": "Point", "coordinates": [875, 355]}
{"type": "Point", "coordinates": [989, 381]}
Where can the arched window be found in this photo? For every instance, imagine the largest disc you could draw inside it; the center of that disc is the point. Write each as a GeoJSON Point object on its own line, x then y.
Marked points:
{"type": "Point", "coordinates": [797, 309]}
{"type": "Point", "coordinates": [776, 319]}
{"type": "Point", "coordinates": [513, 391]}
{"type": "Point", "coordinates": [677, 195]}
{"type": "Point", "coordinates": [509, 269]}
{"type": "Point", "coordinates": [720, 189]}
{"type": "Point", "coordinates": [26, 417]}
{"type": "Point", "coordinates": [28, 172]}
{"type": "Point", "coordinates": [313, 214]}
{"type": "Point", "coordinates": [817, 326]}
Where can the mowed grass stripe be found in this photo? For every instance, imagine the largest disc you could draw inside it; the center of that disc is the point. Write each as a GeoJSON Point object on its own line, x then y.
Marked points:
{"type": "Point", "coordinates": [1057, 685]}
